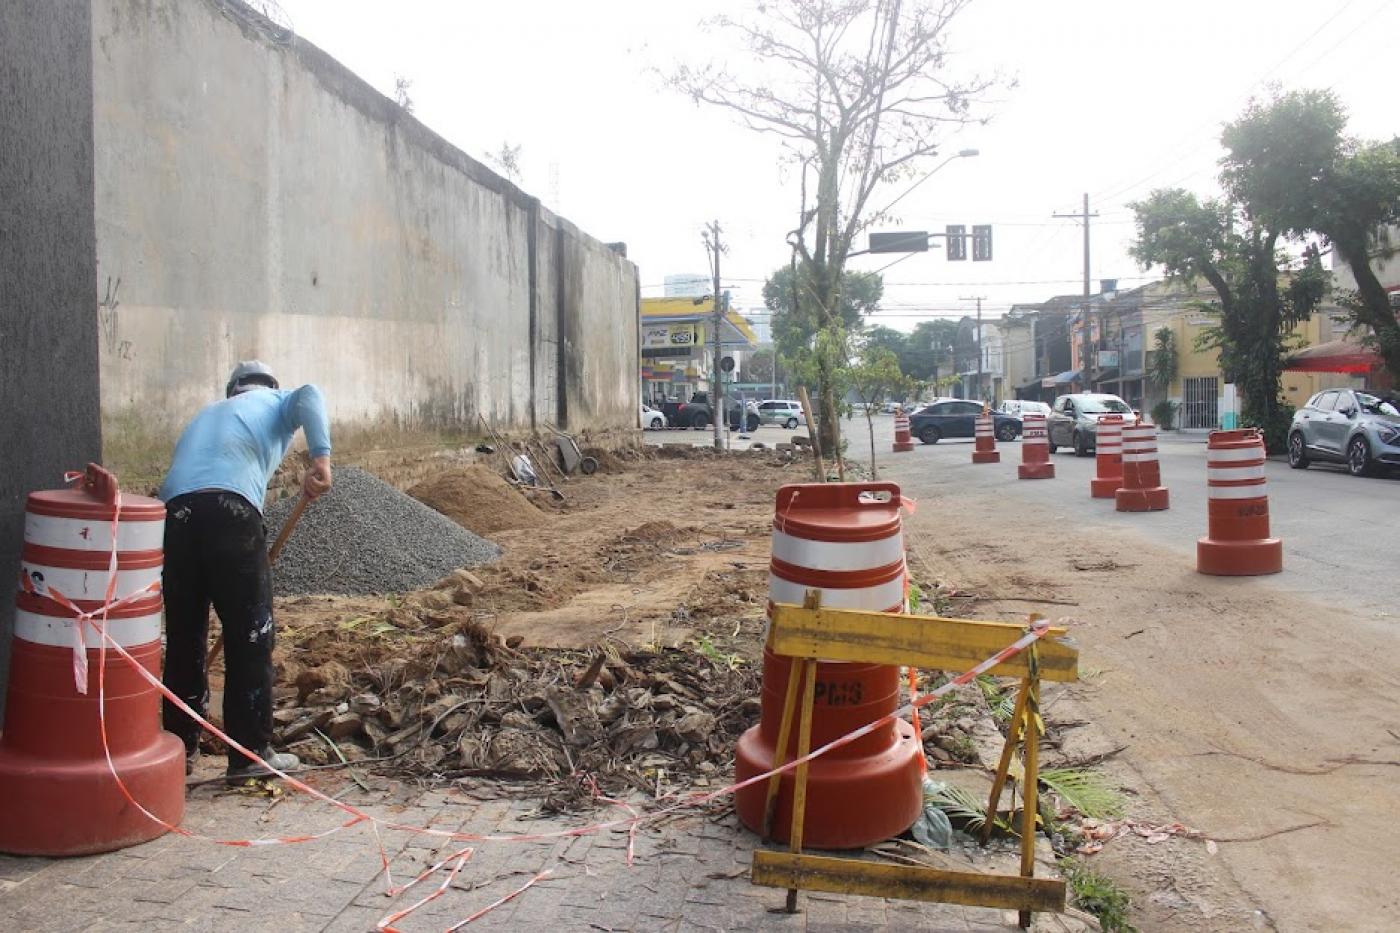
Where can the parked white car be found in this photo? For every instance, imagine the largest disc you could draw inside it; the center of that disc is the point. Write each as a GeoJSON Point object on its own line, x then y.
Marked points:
{"type": "Point", "coordinates": [780, 411]}
{"type": "Point", "coordinates": [1021, 407]}
{"type": "Point", "coordinates": [651, 419]}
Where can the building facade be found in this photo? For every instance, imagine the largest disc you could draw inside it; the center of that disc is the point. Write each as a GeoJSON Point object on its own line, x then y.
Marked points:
{"type": "Point", "coordinates": [677, 346]}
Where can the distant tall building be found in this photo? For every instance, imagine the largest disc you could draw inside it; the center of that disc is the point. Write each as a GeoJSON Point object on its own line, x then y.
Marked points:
{"type": "Point", "coordinates": [687, 285]}
{"type": "Point", "coordinates": [762, 328]}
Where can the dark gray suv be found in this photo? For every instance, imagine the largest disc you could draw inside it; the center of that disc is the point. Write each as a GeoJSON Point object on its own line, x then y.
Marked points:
{"type": "Point", "coordinates": [1348, 426]}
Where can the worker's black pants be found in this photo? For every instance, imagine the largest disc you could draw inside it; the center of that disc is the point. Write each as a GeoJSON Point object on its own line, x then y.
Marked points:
{"type": "Point", "coordinates": [216, 552]}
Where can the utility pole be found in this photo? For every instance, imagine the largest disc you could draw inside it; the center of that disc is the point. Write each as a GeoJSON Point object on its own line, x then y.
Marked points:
{"type": "Point", "coordinates": [981, 395]}
{"type": "Point", "coordinates": [715, 248]}
{"type": "Point", "coordinates": [1083, 217]}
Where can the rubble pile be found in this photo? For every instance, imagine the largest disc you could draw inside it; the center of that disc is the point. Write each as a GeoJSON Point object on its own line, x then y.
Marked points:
{"type": "Point", "coordinates": [445, 698]}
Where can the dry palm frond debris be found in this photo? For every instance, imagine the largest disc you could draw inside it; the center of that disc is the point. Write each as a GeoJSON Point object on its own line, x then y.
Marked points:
{"type": "Point", "coordinates": [447, 699]}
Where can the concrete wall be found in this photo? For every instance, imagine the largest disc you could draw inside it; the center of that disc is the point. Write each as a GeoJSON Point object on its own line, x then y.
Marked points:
{"type": "Point", "coordinates": [48, 333]}
{"type": "Point", "coordinates": [256, 199]}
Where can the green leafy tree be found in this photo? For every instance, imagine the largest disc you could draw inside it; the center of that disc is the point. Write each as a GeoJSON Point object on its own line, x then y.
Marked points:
{"type": "Point", "coordinates": [759, 367]}
{"type": "Point", "coordinates": [860, 93]}
{"type": "Point", "coordinates": [1261, 294]}
{"type": "Point", "coordinates": [932, 350]}
{"type": "Point", "coordinates": [1289, 160]}
{"type": "Point", "coordinates": [875, 377]}
{"type": "Point", "coordinates": [795, 323]}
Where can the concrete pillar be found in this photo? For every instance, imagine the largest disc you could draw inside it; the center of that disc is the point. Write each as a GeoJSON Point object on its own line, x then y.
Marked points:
{"type": "Point", "coordinates": [49, 414]}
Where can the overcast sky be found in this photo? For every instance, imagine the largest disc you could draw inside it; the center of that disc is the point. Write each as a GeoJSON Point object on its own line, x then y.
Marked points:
{"type": "Point", "coordinates": [1115, 97]}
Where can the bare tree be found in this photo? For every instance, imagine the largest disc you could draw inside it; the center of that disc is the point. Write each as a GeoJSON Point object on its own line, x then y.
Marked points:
{"type": "Point", "coordinates": [402, 86]}
{"type": "Point", "coordinates": [507, 161]}
{"type": "Point", "coordinates": [859, 93]}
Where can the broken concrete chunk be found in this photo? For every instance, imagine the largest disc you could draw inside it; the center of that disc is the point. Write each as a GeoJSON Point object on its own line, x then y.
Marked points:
{"type": "Point", "coordinates": [315, 719]}
{"type": "Point", "coordinates": [576, 721]}
{"type": "Point", "coordinates": [343, 726]}
{"type": "Point", "coordinates": [695, 726]}
{"type": "Point", "coordinates": [366, 704]}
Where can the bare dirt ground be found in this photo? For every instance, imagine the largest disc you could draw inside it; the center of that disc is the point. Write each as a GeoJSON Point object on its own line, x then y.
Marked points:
{"type": "Point", "coordinates": [642, 554]}
{"type": "Point", "coordinates": [1264, 725]}
{"type": "Point", "coordinates": [1267, 723]}
{"type": "Point", "coordinates": [612, 648]}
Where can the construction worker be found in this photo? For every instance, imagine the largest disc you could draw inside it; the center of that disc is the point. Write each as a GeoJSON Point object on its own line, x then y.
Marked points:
{"type": "Point", "coordinates": [216, 552]}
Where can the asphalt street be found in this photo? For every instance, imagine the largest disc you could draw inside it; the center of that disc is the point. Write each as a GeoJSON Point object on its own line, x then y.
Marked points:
{"type": "Point", "coordinates": [1341, 534]}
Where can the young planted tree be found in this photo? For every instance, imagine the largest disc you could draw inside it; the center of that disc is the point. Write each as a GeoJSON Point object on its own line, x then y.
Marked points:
{"type": "Point", "coordinates": [1261, 294]}
{"type": "Point", "coordinates": [875, 378]}
{"type": "Point", "coordinates": [1288, 159]}
{"type": "Point", "coordinates": [860, 93]}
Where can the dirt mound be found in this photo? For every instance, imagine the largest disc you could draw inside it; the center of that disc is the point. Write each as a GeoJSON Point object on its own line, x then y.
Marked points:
{"type": "Point", "coordinates": [477, 499]}
{"type": "Point", "coordinates": [648, 532]}
{"type": "Point", "coordinates": [608, 462]}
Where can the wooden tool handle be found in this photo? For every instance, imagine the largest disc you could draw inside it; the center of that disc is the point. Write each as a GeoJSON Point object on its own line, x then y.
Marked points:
{"type": "Point", "coordinates": [287, 527]}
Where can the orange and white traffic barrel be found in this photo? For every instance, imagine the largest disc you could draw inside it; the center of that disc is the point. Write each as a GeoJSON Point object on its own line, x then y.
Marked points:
{"type": "Point", "coordinates": [985, 450]}
{"type": "Point", "coordinates": [1142, 489]}
{"type": "Point", "coordinates": [1237, 542]}
{"type": "Point", "coordinates": [1108, 457]}
{"type": "Point", "coordinates": [845, 540]}
{"type": "Point", "coordinates": [903, 440]}
{"type": "Point", "coordinates": [1035, 449]}
{"type": "Point", "coordinates": [60, 796]}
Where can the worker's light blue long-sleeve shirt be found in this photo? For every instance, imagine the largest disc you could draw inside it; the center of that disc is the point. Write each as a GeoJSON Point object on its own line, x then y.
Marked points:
{"type": "Point", "coordinates": [236, 444]}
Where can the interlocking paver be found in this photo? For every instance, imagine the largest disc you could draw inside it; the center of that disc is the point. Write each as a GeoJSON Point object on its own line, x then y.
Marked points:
{"type": "Point", "coordinates": [691, 873]}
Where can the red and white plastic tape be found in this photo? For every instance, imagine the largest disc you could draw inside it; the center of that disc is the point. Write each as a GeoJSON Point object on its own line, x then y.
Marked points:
{"type": "Point", "coordinates": [97, 620]}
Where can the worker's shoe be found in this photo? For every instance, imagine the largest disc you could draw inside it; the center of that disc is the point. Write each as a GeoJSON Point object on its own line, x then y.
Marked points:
{"type": "Point", "coordinates": [191, 759]}
{"type": "Point", "coordinates": [282, 761]}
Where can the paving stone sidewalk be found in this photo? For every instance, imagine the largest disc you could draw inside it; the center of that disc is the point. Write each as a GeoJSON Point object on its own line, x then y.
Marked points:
{"type": "Point", "coordinates": [689, 873]}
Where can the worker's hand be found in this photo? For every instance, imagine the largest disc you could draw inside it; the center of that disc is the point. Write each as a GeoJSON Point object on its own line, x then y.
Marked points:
{"type": "Point", "coordinates": [317, 481]}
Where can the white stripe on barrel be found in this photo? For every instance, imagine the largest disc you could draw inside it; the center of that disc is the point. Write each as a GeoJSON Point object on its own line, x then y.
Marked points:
{"type": "Point", "coordinates": [1235, 454]}
{"type": "Point", "coordinates": [58, 632]}
{"type": "Point", "coordinates": [836, 555]}
{"type": "Point", "coordinates": [1250, 491]}
{"type": "Point", "coordinates": [86, 534]}
{"type": "Point", "coordinates": [1229, 474]}
{"type": "Point", "coordinates": [79, 584]}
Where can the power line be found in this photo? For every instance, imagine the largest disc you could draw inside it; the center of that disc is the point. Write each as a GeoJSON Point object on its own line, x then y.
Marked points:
{"type": "Point", "coordinates": [1112, 192]}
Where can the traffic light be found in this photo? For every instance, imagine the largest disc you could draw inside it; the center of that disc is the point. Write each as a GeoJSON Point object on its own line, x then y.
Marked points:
{"type": "Point", "coordinates": [957, 242]}
{"type": "Point", "coordinates": [982, 243]}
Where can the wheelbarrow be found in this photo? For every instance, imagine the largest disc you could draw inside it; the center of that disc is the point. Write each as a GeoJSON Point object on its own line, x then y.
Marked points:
{"type": "Point", "coordinates": [571, 457]}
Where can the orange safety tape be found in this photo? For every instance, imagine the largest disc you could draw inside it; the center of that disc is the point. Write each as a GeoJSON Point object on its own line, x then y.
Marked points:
{"type": "Point", "coordinates": [98, 620]}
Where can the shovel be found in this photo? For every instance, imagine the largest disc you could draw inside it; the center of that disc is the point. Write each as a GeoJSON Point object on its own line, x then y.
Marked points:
{"type": "Point", "coordinates": [272, 555]}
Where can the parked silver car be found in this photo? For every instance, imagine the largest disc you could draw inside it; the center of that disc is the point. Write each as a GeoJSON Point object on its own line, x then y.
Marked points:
{"type": "Point", "coordinates": [1348, 426]}
{"type": "Point", "coordinates": [1074, 419]}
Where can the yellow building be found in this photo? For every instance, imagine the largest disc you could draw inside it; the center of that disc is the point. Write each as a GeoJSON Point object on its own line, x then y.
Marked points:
{"type": "Point", "coordinates": [1199, 389]}
{"type": "Point", "coordinates": [677, 344]}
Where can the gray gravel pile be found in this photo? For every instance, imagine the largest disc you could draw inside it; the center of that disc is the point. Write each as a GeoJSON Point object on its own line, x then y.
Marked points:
{"type": "Point", "coordinates": [364, 536]}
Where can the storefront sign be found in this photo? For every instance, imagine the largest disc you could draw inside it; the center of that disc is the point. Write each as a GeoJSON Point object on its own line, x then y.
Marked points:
{"type": "Point", "coordinates": [656, 336]}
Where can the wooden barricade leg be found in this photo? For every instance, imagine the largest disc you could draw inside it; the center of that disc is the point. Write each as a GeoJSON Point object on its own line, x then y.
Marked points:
{"type": "Point", "coordinates": [804, 746]}
{"type": "Point", "coordinates": [1013, 738]}
{"type": "Point", "coordinates": [1030, 787]}
{"type": "Point", "coordinates": [770, 808]}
